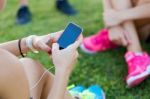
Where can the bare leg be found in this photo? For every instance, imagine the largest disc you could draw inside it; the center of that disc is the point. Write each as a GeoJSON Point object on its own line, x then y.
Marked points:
{"type": "Point", "coordinates": [48, 86]}
{"type": "Point", "coordinates": [128, 25]}
{"type": "Point", "coordinates": [34, 70]}
{"type": "Point", "coordinates": [115, 30]}
{"type": "Point", "coordinates": [13, 82]}
{"type": "Point", "coordinates": [23, 2]}
{"type": "Point", "coordinates": [144, 25]}
{"type": "Point", "coordinates": [17, 77]}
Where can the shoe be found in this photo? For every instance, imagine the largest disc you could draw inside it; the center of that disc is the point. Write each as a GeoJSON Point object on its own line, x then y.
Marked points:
{"type": "Point", "coordinates": [64, 7]}
{"type": "Point", "coordinates": [98, 42]}
{"type": "Point", "coordinates": [76, 91]}
{"type": "Point", "coordinates": [93, 92]}
{"type": "Point", "coordinates": [138, 68]}
{"type": "Point", "coordinates": [23, 15]}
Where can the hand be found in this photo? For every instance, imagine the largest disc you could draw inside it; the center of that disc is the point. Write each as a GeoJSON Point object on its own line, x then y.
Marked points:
{"type": "Point", "coordinates": [44, 42]}
{"type": "Point", "coordinates": [112, 18]}
{"type": "Point", "coordinates": [119, 36]}
{"type": "Point", "coordinates": [65, 59]}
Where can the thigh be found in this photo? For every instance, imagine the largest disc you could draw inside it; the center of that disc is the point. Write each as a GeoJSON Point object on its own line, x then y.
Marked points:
{"type": "Point", "coordinates": [121, 4]}
{"type": "Point", "coordinates": [48, 86]}
{"type": "Point", "coordinates": [34, 70]}
{"type": "Point", "coordinates": [13, 82]}
{"type": "Point", "coordinates": [140, 2]}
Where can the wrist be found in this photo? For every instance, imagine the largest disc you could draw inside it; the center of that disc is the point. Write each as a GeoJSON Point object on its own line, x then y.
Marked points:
{"type": "Point", "coordinates": [30, 44]}
{"type": "Point", "coordinates": [63, 71]}
{"type": "Point", "coordinates": [124, 15]}
{"type": "Point", "coordinates": [24, 46]}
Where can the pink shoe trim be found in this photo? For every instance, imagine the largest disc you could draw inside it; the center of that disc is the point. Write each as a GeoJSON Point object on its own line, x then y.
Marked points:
{"type": "Point", "coordinates": [98, 42]}
{"type": "Point", "coordinates": [130, 55]}
{"type": "Point", "coordinates": [138, 67]}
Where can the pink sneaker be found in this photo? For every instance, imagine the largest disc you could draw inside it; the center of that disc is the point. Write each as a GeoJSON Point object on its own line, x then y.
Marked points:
{"type": "Point", "coordinates": [138, 68]}
{"type": "Point", "coordinates": [97, 42]}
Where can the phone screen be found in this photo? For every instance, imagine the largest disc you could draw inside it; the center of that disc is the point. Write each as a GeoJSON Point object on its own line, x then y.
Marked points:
{"type": "Point", "coordinates": [69, 36]}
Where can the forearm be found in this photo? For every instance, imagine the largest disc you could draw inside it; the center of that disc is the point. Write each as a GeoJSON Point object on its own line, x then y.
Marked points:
{"type": "Point", "coordinates": [59, 85]}
{"type": "Point", "coordinates": [135, 13]}
{"type": "Point", "coordinates": [12, 46]}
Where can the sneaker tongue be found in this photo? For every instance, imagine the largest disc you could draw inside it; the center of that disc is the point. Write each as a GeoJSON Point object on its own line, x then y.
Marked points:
{"type": "Point", "coordinates": [130, 55]}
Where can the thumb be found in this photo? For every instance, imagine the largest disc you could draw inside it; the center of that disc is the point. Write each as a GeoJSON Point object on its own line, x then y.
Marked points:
{"type": "Point", "coordinates": [75, 45]}
{"type": "Point", "coordinates": [55, 47]}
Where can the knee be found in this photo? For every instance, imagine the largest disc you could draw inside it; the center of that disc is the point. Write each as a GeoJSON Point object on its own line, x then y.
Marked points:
{"type": "Point", "coordinates": [29, 62]}
{"type": "Point", "coordinates": [30, 65]}
{"type": "Point", "coordinates": [11, 71]}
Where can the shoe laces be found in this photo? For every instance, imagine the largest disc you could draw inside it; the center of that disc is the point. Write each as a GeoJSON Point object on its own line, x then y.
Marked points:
{"type": "Point", "coordinates": [140, 59]}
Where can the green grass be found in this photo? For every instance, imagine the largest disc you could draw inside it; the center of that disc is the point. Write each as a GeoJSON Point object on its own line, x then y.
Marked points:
{"type": "Point", "coordinates": [107, 69]}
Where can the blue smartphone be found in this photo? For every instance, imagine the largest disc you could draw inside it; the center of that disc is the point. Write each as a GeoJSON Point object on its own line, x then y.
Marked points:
{"type": "Point", "coordinates": [70, 35]}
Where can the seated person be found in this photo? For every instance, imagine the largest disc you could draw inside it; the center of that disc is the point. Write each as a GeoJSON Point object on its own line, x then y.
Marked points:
{"type": "Point", "coordinates": [119, 17]}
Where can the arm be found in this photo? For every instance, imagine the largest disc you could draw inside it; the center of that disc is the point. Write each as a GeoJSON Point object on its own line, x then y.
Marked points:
{"type": "Point", "coordinates": [12, 46]}
{"type": "Point", "coordinates": [139, 12]}
{"type": "Point", "coordinates": [59, 85]}
{"type": "Point", "coordinates": [38, 42]}
{"type": "Point", "coordinates": [63, 68]}
{"type": "Point", "coordinates": [113, 17]}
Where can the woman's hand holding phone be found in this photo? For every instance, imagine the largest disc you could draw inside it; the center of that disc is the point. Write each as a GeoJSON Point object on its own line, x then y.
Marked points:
{"type": "Point", "coordinates": [65, 59]}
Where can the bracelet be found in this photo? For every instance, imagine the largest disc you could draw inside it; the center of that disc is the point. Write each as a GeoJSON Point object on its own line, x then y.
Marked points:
{"type": "Point", "coordinates": [29, 43]}
{"type": "Point", "coordinates": [19, 45]}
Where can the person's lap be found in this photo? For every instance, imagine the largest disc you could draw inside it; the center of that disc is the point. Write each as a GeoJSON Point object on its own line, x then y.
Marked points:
{"type": "Point", "coordinates": [34, 71]}
{"type": "Point", "coordinates": [13, 82]}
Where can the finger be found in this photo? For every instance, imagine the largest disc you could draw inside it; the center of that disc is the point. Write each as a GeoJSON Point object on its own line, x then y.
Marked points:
{"type": "Point", "coordinates": [44, 47]}
{"type": "Point", "coordinates": [124, 41]}
{"type": "Point", "coordinates": [55, 47]}
{"type": "Point", "coordinates": [55, 36]}
{"type": "Point", "coordinates": [75, 45]}
{"type": "Point", "coordinates": [127, 37]}
{"type": "Point", "coordinates": [80, 38]}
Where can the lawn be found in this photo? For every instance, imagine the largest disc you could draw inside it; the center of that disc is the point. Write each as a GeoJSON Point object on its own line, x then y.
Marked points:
{"type": "Point", "coordinates": [107, 69]}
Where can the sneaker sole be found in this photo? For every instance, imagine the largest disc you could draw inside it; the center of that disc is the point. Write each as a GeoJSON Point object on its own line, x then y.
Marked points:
{"type": "Point", "coordinates": [103, 95]}
{"type": "Point", "coordinates": [135, 80]}
{"type": "Point", "coordinates": [83, 48]}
